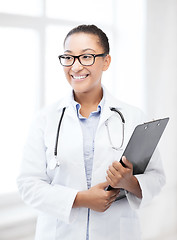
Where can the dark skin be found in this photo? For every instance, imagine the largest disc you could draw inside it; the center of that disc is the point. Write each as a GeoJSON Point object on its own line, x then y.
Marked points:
{"type": "Point", "coordinates": [86, 84]}
{"type": "Point", "coordinates": [122, 177]}
{"type": "Point", "coordinates": [96, 198]}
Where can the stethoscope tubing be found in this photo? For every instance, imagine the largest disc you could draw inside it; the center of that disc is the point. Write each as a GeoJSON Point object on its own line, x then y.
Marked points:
{"type": "Point", "coordinates": [58, 132]}
{"type": "Point", "coordinates": [106, 123]}
{"type": "Point", "coordinates": [119, 112]}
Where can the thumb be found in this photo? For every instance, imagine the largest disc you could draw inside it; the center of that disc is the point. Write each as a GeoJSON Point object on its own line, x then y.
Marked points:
{"type": "Point", "coordinates": [127, 163]}
{"type": "Point", "coordinates": [103, 185]}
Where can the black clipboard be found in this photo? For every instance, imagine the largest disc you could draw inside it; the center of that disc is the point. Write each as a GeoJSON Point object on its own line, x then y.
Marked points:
{"type": "Point", "coordinates": [141, 146]}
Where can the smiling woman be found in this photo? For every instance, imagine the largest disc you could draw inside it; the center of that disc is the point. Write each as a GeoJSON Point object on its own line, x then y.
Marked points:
{"type": "Point", "coordinates": [85, 165]}
{"type": "Point", "coordinates": [31, 38]}
{"type": "Point", "coordinates": [143, 58]}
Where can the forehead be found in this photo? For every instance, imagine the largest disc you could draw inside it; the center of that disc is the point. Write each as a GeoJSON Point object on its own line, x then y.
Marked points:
{"type": "Point", "coordinates": [78, 42]}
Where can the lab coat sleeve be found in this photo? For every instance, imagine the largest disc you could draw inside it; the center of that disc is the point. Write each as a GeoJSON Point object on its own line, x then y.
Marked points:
{"type": "Point", "coordinates": [34, 183]}
{"type": "Point", "coordinates": [151, 182]}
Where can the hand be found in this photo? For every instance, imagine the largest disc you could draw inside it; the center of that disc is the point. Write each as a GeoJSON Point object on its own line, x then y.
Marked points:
{"type": "Point", "coordinates": [122, 177]}
{"type": "Point", "coordinates": [96, 198]}
{"type": "Point", "coordinates": [119, 176]}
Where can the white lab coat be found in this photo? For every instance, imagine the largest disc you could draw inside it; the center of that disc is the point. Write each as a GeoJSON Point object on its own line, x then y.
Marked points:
{"type": "Point", "coordinates": [52, 192]}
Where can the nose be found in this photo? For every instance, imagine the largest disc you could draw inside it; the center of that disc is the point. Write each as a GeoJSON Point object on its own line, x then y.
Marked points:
{"type": "Point", "coordinates": [77, 66]}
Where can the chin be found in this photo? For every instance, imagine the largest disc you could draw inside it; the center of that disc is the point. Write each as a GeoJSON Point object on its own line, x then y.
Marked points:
{"type": "Point", "coordinates": [80, 87]}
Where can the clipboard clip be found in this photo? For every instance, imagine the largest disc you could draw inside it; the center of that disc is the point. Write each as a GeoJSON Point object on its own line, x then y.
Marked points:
{"type": "Point", "coordinates": [147, 123]}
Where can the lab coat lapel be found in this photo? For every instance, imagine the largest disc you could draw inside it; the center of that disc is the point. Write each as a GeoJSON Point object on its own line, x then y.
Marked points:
{"type": "Point", "coordinates": [106, 111]}
{"type": "Point", "coordinates": [67, 102]}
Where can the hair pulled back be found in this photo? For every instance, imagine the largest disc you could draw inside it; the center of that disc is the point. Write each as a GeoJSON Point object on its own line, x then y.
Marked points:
{"type": "Point", "coordinates": [91, 29]}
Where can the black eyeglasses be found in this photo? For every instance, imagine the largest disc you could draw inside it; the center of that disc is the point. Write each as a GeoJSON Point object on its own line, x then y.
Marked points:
{"type": "Point", "coordinates": [67, 60]}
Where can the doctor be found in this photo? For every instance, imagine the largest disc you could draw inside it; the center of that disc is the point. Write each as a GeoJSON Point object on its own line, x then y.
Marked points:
{"type": "Point", "coordinates": [67, 183]}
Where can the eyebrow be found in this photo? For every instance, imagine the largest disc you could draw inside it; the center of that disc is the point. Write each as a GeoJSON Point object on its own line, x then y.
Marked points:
{"type": "Point", "coordinates": [84, 50]}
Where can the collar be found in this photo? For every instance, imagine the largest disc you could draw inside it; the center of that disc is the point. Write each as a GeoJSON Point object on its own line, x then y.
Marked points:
{"type": "Point", "coordinates": [108, 102]}
{"type": "Point", "coordinates": [77, 105]}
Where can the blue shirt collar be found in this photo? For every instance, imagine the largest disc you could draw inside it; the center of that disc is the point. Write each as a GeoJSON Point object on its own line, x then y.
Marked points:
{"type": "Point", "coordinates": [77, 106]}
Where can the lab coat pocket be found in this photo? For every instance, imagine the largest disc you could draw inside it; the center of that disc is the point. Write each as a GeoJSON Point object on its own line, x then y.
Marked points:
{"type": "Point", "coordinates": [130, 229]}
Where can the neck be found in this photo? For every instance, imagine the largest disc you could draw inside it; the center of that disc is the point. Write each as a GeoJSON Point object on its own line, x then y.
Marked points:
{"type": "Point", "coordinates": [89, 99]}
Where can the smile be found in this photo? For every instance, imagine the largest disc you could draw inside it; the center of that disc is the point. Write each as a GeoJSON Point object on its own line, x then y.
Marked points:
{"type": "Point", "coordinates": [79, 77]}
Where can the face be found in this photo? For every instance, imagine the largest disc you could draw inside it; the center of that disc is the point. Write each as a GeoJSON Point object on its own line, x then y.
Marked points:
{"type": "Point", "coordinates": [85, 78]}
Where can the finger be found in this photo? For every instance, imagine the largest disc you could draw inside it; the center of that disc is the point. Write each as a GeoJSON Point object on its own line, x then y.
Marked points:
{"type": "Point", "coordinates": [113, 173]}
{"type": "Point", "coordinates": [113, 197]}
{"type": "Point", "coordinates": [127, 163]}
{"type": "Point", "coordinates": [110, 174]}
{"type": "Point", "coordinates": [116, 191]}
{"type": "Point", "coordinates": [107, 206]}
{"type": "Point", "coordinates": [111, 182]}
{"type": "Point", "coordinates": [112, 179]}
{"type": "Point", "coordinates": [112, 170]}
{"type": "Point", "coordinates": [117, 165]}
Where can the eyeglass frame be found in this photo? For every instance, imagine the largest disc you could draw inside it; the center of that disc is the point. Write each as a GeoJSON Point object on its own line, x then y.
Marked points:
{"type": "Point", "coordinates": [78, 57]}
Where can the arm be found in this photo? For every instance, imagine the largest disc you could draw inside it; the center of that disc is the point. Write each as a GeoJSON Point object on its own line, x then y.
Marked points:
{"type": "Point", "coordinates": [150, 183]}
{"type": "Point", "coordinates": [54, 199]}
{"type": "Point", "coordinates": [35, 184]}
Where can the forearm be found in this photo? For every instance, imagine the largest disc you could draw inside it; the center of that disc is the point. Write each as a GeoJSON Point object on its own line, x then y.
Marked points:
{"type": "Point", "coordinates": [134, 187]}
{"type": "Point", "coordinates": [81, 199]}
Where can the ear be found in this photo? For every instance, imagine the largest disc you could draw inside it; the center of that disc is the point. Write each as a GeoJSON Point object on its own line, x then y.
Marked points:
{"type": "Point", "coordinates": [107, 61]}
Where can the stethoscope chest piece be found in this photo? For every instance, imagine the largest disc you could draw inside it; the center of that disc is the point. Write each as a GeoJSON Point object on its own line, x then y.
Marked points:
{"type": "Point", "coordinates": [54, 163]}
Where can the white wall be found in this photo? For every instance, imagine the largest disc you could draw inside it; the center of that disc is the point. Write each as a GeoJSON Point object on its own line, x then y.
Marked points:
{"type": "Point", "coordinates": [160, 219]}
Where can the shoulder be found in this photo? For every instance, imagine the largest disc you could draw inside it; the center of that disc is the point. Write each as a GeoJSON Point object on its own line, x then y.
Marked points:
{"type": "Point", "coordinates": [129, 111]}
{"type": "Point", "coordinates": [133, 115]}
{"type": "Point", "coordinates": [50, 112]}
{"type": "Point", "coordinates": [55, 107]}
{"type": "Point", "coordinates": [132, 112]}
{"type": "Point", "coordinates": [46, 111]}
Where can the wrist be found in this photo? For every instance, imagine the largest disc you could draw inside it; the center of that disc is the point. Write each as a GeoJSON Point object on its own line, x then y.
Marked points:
{"type": "Point", "coordinates": [134, 187]}
{"type": "Point", "coordinates": [80, 199]}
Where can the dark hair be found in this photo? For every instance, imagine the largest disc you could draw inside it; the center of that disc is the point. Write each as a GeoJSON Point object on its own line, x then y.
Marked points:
{"type": "Point", "coordinates": [92, 29]}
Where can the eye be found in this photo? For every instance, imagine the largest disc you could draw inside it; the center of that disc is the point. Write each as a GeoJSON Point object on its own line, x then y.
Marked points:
{"type": "Point", "coordinates": [67, 57]}
{"type": "Point", "coordinates": [87, 56]}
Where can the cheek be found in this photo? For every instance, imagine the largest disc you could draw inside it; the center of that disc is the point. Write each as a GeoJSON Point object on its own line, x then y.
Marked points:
{"type": "Point", "coordinates": [97, 70]}
{"type": "Point", "coordinates": [66, 72]}
{"type": "Point", "coordinates": [97, 73]}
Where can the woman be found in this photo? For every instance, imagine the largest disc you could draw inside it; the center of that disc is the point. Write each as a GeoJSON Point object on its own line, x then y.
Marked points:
{"type": "Point", "coordinates": [70, 191]}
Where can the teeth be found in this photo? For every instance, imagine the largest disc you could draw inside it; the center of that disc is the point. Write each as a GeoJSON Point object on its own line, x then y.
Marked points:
{"type": "Point", "coordinates": [79, 77]}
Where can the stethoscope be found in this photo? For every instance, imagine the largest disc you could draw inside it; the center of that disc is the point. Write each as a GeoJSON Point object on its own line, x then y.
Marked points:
{"type": "Point", "coordinates": [55, 161]}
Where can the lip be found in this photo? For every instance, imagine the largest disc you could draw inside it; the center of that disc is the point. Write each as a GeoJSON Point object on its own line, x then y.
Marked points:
{"type": "Point", "coordinates": [79, 78]}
